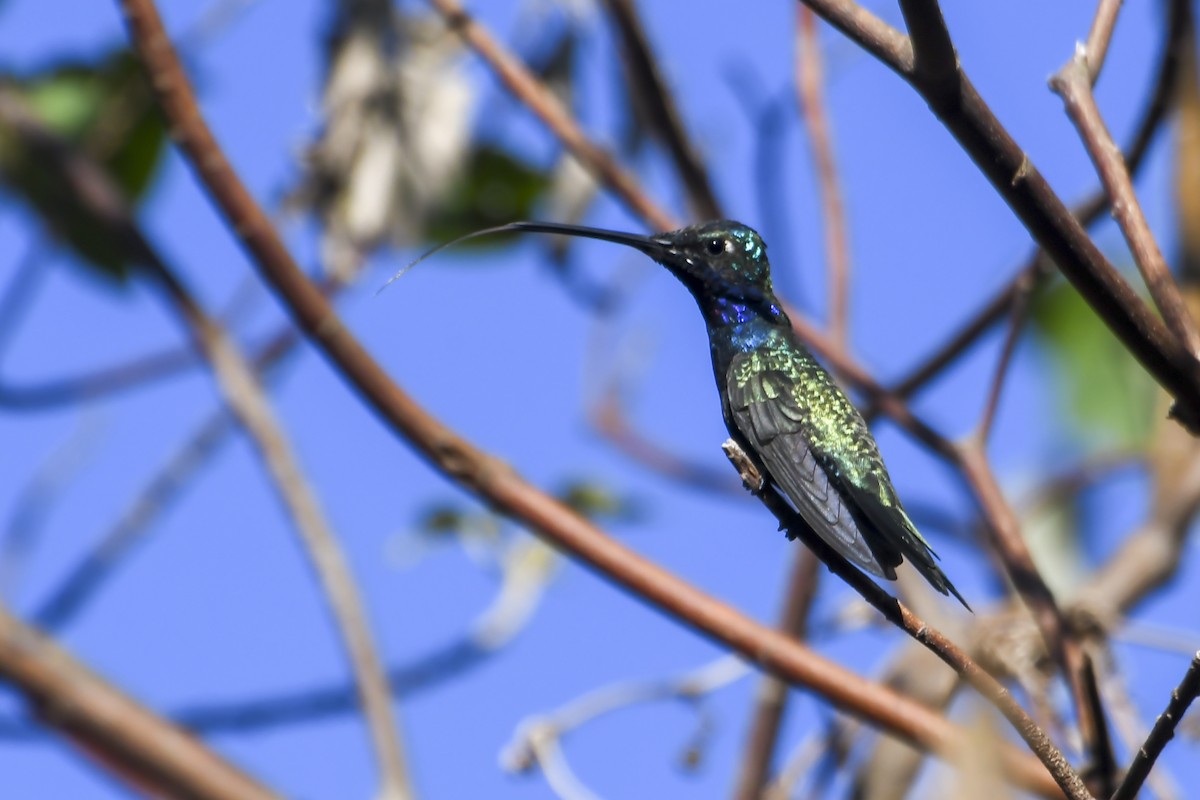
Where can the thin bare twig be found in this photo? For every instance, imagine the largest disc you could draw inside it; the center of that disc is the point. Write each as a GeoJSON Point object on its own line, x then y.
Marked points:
{"type": "Point", "coordinates": [1060, 637]}
{"type": "Point", "coordinates": [103, 200]}
{"type": "Point", "coordinates": [955, 101]}
{"type": "Point", "coordinates": [1073, 84]}
{"type": "Point", "coordinates": [529, 743]}
{"type": "Point", "coordinates": [1162, 732]}
{"type": "Point", "coordinates": [900, 616]}
{"type": "Point", "coordinates": [1099, 37]}
{"type": "Point", "coordinates": [49, 480]}
{"type": "Point", "coordinates": [98, 383]}
{"type": "Point", "coordinates": [608, 417]}
{"type": "Point", "coordinates": [809, 80]}
{"type": "Point", "coordinates": [660, 106]}
{"type": "Point", "coordinates": [1017, 316]}
{"type": "Point", "coordinates": [526, 567]}
{"type": "Point", "coordinates": [1133, 731]}
{"type": "Point", "coordinates": [542, 102]}
{"type": "Point", "coordinates": [132, 743]}
{"type": "Point", "coordinates": [247, 400]}
{"type": "Point", "coordinates": [133, 374]}
{"type": "Point", "coordinates": [485, 475]}
{"type": "Point", "coordinates": [1039, 267]}
{"type": "Point", "coordinates": [1102, 772]}
{"type": "Point", "coordinates": [105, 556]}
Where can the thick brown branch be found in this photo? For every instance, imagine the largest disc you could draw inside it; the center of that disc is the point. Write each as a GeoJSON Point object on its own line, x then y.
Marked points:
{"type": "Point", "coordinates": [1017, 180]}
{"type": "Point", "coordinates": [152, 754]}
{"type": "Point", "coordinates": [935, 63]}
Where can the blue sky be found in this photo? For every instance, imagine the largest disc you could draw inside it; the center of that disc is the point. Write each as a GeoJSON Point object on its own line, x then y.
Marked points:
{"type": "Point", "coordinates": [220, 604]}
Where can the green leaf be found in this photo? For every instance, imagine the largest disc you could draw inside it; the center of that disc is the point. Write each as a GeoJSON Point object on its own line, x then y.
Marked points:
{"type": "Point", "coordinates": [135, 162]}
{"type": "Point", "coordinates": [105, 110]}
{"type": "Point", "coordinates": [67, 100]}
{"type": "Point", "coordinates": [596, 501]}
{"type": "Point", "coordinates": [1106, 395]}
{"type": "Point", "coordinates": [496, 188]}
{"type": "Point", "coordinates": [442, 520]}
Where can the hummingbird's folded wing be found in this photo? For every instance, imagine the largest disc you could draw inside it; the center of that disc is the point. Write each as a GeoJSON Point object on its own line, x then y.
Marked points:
{"type": "Point", "coordinates": [766, 414]}
{"type": "Point", "coordinates": [819, 452]}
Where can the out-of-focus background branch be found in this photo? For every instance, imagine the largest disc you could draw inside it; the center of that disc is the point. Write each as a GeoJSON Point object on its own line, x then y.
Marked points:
{"type": "Point", "coordinates": [137, 530]}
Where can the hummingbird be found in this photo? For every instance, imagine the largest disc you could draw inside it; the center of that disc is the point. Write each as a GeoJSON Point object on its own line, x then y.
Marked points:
{"type": "Point", "coordinates": [800, 430]}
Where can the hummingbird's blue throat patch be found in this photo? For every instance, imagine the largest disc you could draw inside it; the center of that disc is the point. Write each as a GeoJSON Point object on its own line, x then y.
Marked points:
{"type": "Point", "coordinates": [749, 319]}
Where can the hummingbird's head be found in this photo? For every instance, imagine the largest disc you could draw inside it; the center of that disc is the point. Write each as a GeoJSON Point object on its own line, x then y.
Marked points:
{"type": "Point", "coordinates": [722, 259]}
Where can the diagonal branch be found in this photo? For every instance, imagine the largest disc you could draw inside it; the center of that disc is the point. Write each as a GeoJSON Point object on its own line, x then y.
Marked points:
{"type": "Point", "coordinates": [100, 198]}
{"type": "Point", "coordinates": [935, 64]}
{"type": "Point", "coordinates": [1015, 178]}
{"type": "Point", "coordinates": [660, 105]}
{"type": "Point", "coordinates": [809, 79]}
{"type": "Point", "coordinates": [1017, 316]}
{"type": "Point", "coordinates": [497, 483]}
{"type": "Point", "coordinates": [900, 616]}
{"type": "Point", "coordinates": [1039, 267]}
{"type": "Point", "coordinates": [1099, 37]}
{"type": "Point", "coordinates": [131, 742]}
{"type": "Point", "coordinates": [1073, 84]}
{"type": "Point", "coordinates": [1162, 732]}
{"type": "Point", "coordinates": [542, 102]}
{"type": "Point", "coordinates": [248, 403]}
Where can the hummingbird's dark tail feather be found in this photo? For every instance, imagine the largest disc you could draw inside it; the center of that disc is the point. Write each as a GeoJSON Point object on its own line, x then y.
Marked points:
{"type": "Point", "coordinates": [891, 528]}
{"type": "Point", "coordinates": [937, 579]}
{"type": "Point", "coordinates": [918, 553]}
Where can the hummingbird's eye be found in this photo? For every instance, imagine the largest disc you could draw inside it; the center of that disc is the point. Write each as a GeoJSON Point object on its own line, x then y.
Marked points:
{"type": "Point", "coordinates": [716, 246]}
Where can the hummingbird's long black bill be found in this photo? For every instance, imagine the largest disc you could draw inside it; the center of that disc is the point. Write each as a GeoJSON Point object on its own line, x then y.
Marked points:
{"type": "Point", "coordinates": [646, 244]}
